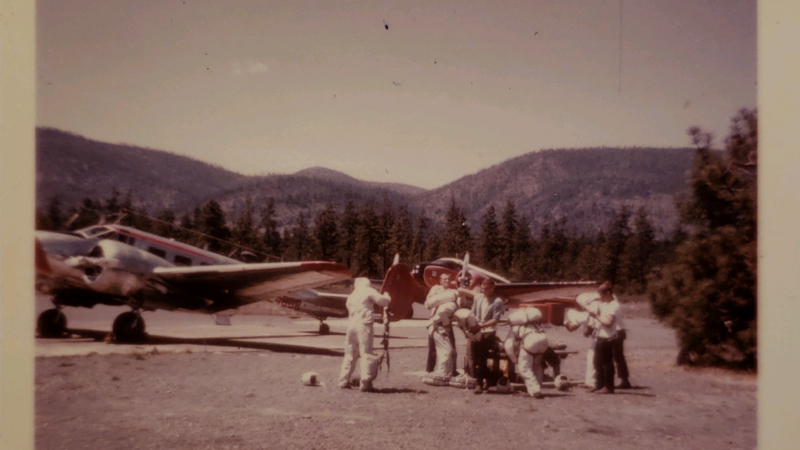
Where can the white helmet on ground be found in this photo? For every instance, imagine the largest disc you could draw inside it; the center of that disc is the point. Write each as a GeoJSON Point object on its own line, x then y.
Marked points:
{"type": "Point", "coordinates": [310, 378]}
{"type": "Point", "coordinates": [562, 383]}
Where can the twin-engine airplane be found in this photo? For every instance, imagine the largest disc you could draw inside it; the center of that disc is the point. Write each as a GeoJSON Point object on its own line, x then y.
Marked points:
{"type": "Point", "coordinates": [551, 297]}
{"type": "Point", "coordinates": [120, 265]}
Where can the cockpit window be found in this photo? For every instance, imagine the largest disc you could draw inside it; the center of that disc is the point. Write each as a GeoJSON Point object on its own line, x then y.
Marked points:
{"type": "Point", "coordinates": [98, 231]}
{"type": "Point", "coordinates": [452, 265]}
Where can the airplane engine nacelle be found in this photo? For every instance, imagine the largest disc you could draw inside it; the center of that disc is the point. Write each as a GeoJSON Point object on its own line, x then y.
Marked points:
{"type": "Point", "coordinates": [115, 268]}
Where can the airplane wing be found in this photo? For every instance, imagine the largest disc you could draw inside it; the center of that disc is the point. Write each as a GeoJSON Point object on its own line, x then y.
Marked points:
{"type": "Point", "coordinates": [518, 294]}
{"type": "Point", "coordinates": [232, 285]}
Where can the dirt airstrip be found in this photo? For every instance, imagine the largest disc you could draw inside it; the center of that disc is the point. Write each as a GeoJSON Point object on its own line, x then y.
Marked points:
{"type": "Point", "coordinates": [204, 397]}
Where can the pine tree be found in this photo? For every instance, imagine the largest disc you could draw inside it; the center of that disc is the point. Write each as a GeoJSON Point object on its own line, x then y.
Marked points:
{"type": "Point", "coordinates": [401, 235]}
{"type": "Point", "coordinates": [299, 242]}
{"type": "Point", "coordinates": [326, 233]}
{"type": "Point", "coordinates": [54, 218]}
{"type": "Point", "coordinates": [213, 225]}
{"type": "Point", "coordinates": [244, 231]}
{"type": "Point", "coordinates": [268, 227]}
{"type": "Point", "coordinates": [165, 224]}
{"type": "Point", "coordinates": [510, 225]}
{"type": "Point", "coordinates": [433, 250]}
{"type": "Point", "coordinates": [349, 234]}
{"type": "Point", "coordinates": [552, 248]}
{"type": "Point", "coordinates": [522, 267]}
{"type": "Point", "coordinates": [456, 239]}
{"type": "Point", "coordinates": [421, 236]}
{"type": "Point", "coordinates": [387, 220]}
{"type": "Point", "coordinates": [112, 205]}
{"type": "Point", "coordinates": [366, 255]}
{"type": "Point", "coordinates": [708, 294]}
{"type": "Point", "coordinates": [490, 243]}
{"type": "Point", "coordinates": [88, 214]}
{"type": "Point", "coordinates": [618, 232]}
{"type": "Point", "coordinates": [636, 259]}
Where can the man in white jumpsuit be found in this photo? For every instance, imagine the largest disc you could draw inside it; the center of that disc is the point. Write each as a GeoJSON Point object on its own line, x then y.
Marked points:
{"type": "Point", "coordinates": [436, 292]}
{"type": "Point", "coordinates": [359, 336]}
{"type": "Point", "coordinates": [580, 317]}
{"type": "Point", "coordinates": [442, 304]}
{"type": "Point", "coordinates": [532, 343]}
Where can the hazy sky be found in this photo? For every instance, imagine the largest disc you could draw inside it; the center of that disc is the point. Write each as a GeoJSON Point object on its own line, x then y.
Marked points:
{"type": "Point", "coordinates": [449, 88]}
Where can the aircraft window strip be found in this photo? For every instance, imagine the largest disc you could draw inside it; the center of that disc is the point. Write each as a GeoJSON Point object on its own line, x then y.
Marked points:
{"type": "Point", "coordinates": [157, 251]}
{"type": "Point", "coordinates": [183, 261]}
{"type": "Point", "coordinates": [212, 258]}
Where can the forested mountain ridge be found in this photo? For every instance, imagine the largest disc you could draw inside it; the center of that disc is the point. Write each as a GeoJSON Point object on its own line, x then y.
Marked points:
{"type": "Point", "coordinates": [584, 187]}
{"type": "Point", "coordinates": [74, 167]}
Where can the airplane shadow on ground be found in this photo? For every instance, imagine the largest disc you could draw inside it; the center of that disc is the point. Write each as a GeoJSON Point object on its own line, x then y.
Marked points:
{"type": "Point", "coordinates": [217, 341]}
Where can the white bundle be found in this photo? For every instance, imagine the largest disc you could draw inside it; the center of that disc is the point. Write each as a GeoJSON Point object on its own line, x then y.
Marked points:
{"type": "Point", "coordinates": [448, 295]}
{"type": "Point", "coordinates": [535, 342]}
{"type": "Point", "coordinates": [587, 300]}
{"type": "Point", "coordinates": [525, 315]}
{"type": "Point", "coordinates": [444, 312]}
{"type": "Point", "coordinates": [575, 317]}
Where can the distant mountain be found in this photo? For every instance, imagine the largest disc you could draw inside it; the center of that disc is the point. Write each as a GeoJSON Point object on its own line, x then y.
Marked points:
{"type": "Point", "coordinates": [583, 186]}
{"type": "Point", "coordinates": [322, 173]}
{"type": "Point", "coordinates": [74, 168]}
{"type": "Point", "coordinates": [297, 193]}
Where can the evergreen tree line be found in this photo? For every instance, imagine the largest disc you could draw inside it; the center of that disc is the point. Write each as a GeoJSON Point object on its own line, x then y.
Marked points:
{"type": "Point", "coordinates": [366, 238]}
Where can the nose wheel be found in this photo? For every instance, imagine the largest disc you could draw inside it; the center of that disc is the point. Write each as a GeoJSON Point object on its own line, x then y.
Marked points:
{"type": "Point", "coordinates": [324, 328]}
{"type": "Point", "coordinates": [51, 323]}
{"type": "Point", "coordinates": [129, 327]}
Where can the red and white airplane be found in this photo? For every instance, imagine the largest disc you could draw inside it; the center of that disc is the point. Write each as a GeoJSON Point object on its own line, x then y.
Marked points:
{"type": "Point", "coordinates": [120, 265]}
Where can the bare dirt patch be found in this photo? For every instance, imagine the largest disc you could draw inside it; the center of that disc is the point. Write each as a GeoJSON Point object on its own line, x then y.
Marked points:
{"type": "Point", "coordinates": [254, 399]}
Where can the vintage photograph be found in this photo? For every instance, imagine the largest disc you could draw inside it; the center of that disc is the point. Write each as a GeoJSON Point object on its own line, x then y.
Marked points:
{"type": "Point", "coordinates": [416, 224]}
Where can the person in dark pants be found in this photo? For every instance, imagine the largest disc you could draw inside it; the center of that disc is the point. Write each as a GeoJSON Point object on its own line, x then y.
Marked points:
{"type": "Point", "coordinates": [619, 358]}
{"type": "Point", "coordinates": [605, 314]}
{"type": "Point", "coordinates": [488, 309]}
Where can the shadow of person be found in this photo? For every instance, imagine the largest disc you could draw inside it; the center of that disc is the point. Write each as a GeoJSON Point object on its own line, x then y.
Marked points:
{"type": "Point", "coordinates": [397, 391]}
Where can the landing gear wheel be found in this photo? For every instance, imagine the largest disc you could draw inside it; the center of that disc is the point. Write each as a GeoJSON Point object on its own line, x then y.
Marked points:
{"type": "Point", "coordinates": [324, 328]}
{"type": "Point", "coordinates": [128, 327]}
{"type": "Point", "coordinates": [51, 323]}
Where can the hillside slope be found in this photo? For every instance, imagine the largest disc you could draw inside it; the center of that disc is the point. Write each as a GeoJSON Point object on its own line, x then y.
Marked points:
{"type": "Point", "coordinates": [75, 167]}
{"type": "Point", "coordinates": [582, 186]}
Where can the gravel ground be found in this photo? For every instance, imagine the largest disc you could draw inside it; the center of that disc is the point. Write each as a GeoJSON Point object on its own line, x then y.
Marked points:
{"type": "Point", "coordinates": [254, 399]}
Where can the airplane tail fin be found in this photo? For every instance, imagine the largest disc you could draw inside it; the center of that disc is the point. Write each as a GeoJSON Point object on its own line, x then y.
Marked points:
{"type": "Point", "coordinates": [404, 290]}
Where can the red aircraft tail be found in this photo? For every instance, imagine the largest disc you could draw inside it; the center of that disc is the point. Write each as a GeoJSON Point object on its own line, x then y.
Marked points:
{"type": "Point", "coordinates": [404, 290]}
{"type": "Point", "coordinates": [40, 258]}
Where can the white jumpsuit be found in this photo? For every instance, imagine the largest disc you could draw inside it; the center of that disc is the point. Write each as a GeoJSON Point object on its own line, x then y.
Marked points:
{"type": "Point", "coordinates": [440, 324]}
{"type": "Point", "coordinates": [529, 364]}
{"type": "Point", "coordinates": [587, 301]}
{"type": "Point", "coordinates": [359, 336]}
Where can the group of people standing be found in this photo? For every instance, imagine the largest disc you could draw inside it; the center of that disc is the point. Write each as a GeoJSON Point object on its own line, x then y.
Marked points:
{"type": "Point", "coordinates": [479, 325]}
{"type": "Point", "coordinates": [478, 312]}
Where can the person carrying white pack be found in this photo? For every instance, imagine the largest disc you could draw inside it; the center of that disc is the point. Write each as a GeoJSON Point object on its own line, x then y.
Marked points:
{"type": "Point", "coordinates": [576, 318]}
{"type": "Point", "coordinates": [440, 329]}
{"type": "Point", "coordinates": [525, 345]}
{"type": "Point", "coordinates": [358, 340]}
